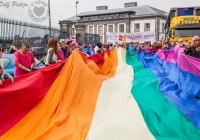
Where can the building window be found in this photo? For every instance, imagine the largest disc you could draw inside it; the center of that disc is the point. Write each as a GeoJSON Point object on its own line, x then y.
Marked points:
{"type": "Point", "coordinates": [110, 28]}
{"type": "Point", "coordinates": [100, 30]}
{"type": "Point", "coordinates": [147, 27]}
{"type": "Point", "coordinates": [85, 18]}
{"type": "Point", "coordinates": [121, 28]}
{"type": "Point", "coordinates": [91, 30]}
{"type": "Point", "coordinates": [137, 27]}
{"type": "Point", "coordinates": [163, 27]}
{"type": "Point", "coordinates": [101, 39]}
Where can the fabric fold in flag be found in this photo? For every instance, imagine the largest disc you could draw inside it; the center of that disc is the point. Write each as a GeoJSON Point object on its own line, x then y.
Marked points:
{"type": "Point", "coordinates": [180, 87]}
{"type": "Point", "coordinates": [113, 96]}
{"type": "Point", "coordinates": [185, 62]}
{"type": "Point", "coordinates": [19, 98]}
{"type": "Point", "coordinates": [117, 115]}
{"type": "Point", "coordinates": [163, 119]}
{"type": "Point", "coordinates": [66, 110]}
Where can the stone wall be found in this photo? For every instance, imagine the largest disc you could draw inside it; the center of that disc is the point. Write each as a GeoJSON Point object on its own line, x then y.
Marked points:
{"type": "Point", "coordinates": [80, 33]}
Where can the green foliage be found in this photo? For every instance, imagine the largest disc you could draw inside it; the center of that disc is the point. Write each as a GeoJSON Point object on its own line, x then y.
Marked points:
{"type": "Point", "coordinates": [16, 43]}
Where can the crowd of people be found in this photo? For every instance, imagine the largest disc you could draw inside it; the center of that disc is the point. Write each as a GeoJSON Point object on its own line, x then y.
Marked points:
{"type": "Point", "coordinates": [191, 48]}
{"type": "Point", "coordinates": [24, 61]}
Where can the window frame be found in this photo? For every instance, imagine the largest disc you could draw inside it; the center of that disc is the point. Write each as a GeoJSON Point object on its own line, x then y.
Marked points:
{"type": "Point", "coordinates": [113, 28]}
{"type": "Point", "coordinates": [89, 29]}
{"type": "Point", "coordinates": [135, 27]}
{"type": "Point", "coordinates": [124, 27]}
{"type": "Point", "coordinates": [102, 38]}
{"type": "Point", "coordinates": [145, 29]}
{"type": "Point", "coordinates": [102, 29]}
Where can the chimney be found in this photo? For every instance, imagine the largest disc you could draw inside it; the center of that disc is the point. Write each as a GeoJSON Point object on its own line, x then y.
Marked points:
{"type": "Point", "coordinates": [102, 8]}
{"type": "Point", "coordinates": [130, 4]}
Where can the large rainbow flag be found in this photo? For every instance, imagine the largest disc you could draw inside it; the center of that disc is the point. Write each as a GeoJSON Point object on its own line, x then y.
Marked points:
{"type": "Point", "coordinates": [110, 97]}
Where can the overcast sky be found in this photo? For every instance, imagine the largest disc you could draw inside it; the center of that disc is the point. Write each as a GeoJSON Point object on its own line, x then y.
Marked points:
{"type": "Point", "coordinates": [63, 9]}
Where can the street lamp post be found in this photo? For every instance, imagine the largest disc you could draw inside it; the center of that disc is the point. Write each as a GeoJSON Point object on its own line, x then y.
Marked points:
{"type": "Point", "coordinates": [76, 12]}
{"type": "Point", "coordinates": [23, 35]}
{"type": "Point", "coordinates": [49, 20]}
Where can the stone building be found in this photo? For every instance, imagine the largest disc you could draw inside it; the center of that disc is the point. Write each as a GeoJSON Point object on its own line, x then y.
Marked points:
{"type": "Point", "coordinates": [130, 19]}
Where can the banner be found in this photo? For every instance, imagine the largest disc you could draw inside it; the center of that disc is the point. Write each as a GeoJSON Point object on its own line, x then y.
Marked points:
{"type": "Point", "coordinates": [131, 37]}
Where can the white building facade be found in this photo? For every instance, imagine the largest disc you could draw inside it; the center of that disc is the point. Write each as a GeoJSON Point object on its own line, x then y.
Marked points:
{"type": "Point", "coordinates": [130, 19]}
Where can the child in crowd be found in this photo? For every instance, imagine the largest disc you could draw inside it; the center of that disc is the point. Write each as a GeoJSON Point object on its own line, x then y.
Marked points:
{"type": "Point", "coordinates": [131, 49]}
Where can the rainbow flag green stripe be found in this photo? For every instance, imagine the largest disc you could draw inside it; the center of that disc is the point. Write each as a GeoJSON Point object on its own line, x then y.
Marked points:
{"type": "Point", "coordinates": [163, 119]}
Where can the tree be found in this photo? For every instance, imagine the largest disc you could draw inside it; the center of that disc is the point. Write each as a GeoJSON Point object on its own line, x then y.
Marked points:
{"type": "Point", "coordinates": [16, 43]}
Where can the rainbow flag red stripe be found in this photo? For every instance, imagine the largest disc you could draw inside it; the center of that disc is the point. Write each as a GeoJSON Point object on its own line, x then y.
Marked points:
{"type": "Point", "coordinates": [113, 96]}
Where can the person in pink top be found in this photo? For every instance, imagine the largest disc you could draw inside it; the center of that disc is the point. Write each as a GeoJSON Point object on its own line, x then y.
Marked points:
{"type": "Point", "coordinates": [148, 48]}
{"type": "Point", "coordinates": [23, 60]}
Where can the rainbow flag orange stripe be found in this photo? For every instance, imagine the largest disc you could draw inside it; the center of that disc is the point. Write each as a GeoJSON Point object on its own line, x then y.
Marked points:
{"type": "Point", "coordinates": [113, 96]}
{"type": "Point", "coordinates": [66, 110]}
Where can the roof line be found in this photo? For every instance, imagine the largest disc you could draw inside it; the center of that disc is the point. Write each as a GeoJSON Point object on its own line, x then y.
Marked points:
{"type": "Point", "coordinates": [113, 9]}
{"type": "Point", "coordinates": [107, 13]}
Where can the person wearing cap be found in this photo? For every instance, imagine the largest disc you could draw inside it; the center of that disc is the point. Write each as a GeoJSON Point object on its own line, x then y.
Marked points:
{"type": "Point", "coordinates": [63, 47]}
{"type": "Point", "coordinates": [68, 51]}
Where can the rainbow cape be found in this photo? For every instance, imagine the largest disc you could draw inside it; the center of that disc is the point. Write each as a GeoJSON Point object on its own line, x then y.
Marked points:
{"type": "Point", "coordinates": [105, 97]}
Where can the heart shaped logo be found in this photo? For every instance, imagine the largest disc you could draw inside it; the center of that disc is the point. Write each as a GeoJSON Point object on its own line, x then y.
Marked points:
{"type": "Point", "coordinates": [39, 11]}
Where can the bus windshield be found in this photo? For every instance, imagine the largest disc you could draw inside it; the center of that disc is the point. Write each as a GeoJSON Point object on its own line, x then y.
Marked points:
{"type": "Point", "coordinates": [187, 32]}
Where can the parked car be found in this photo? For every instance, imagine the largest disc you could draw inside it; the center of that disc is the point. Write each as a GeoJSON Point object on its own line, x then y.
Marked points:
{"type": "Point", "coordinates": [43, 60]}
{"type": "Point", "coordinates": [38, 49]}
{"type": "Point", "coordinates": [8, 63]}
